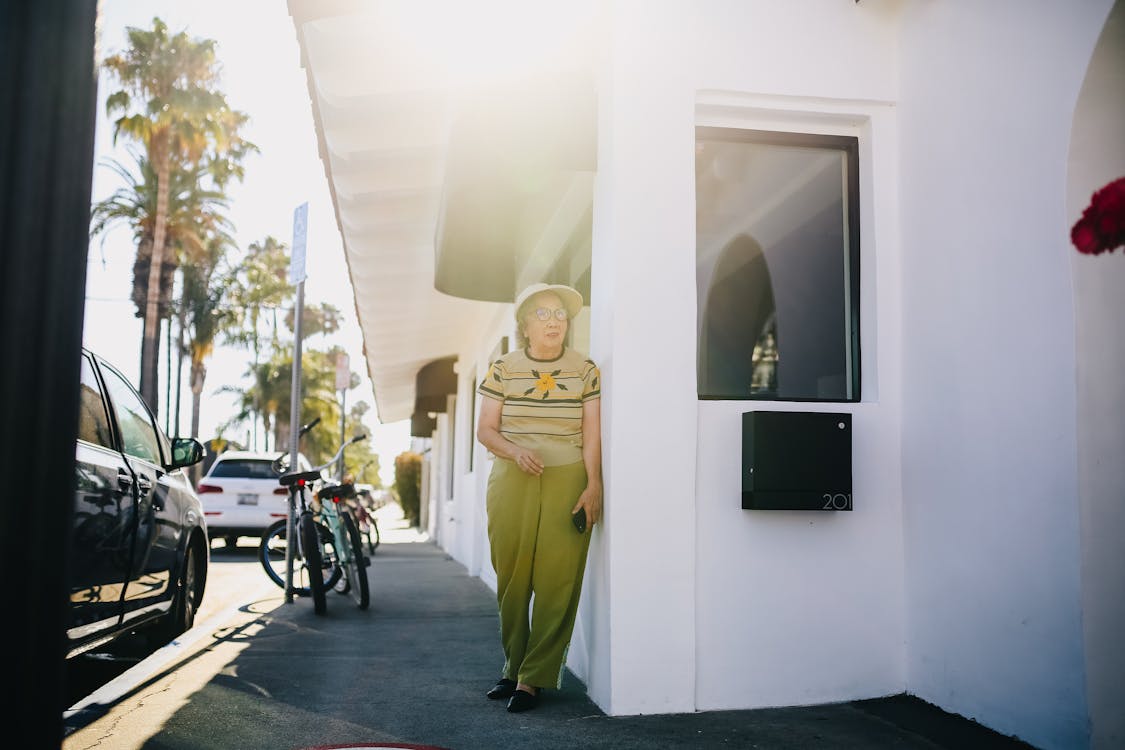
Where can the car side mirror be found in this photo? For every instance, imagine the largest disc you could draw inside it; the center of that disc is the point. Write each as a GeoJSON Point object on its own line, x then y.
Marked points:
{"type": "Point", "coordinates": [185, 452]}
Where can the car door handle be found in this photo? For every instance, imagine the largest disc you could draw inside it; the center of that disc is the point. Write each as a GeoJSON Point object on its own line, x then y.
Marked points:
{"type": "Point", "coordinates": [144, 484]}
{"type": "Point", "coordinates": [124, 481]}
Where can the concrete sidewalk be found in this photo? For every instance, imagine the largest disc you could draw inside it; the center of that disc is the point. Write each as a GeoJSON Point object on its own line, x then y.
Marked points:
{"type": "Point", "coordinates": [414, 669]}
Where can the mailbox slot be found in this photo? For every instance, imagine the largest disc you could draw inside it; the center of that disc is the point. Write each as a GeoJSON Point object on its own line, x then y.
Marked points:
{"type": "Point", "coordinates": [796, 461]}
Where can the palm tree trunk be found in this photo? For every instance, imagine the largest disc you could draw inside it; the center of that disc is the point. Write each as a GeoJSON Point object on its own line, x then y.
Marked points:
{"type": "Point", "coordinates": [280, 433]}
{"type": "Point", "coordinates": [198, 375]}
{"type": "Point", "coordinates": [180, 373]}
{"type": "Point", "coordinates": [256, 410]}
{"type": "Point", "coordinates": [150, 344]}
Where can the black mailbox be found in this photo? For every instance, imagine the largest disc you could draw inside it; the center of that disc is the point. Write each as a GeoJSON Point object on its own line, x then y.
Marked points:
{"type": "Point", "coordinates": [796, 461]}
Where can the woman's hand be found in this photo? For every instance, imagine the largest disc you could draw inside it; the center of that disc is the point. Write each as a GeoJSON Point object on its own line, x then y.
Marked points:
{"type": "Point", "coordinates": [488, 433]}
{"type": "Point", "coordinates": [591, 501]}
{"type": "Point", "coordinates": [528, 461]}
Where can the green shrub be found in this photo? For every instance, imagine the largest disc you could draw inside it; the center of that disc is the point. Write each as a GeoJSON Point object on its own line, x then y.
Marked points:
{"type": "Point", "coordinates": [408, 484]}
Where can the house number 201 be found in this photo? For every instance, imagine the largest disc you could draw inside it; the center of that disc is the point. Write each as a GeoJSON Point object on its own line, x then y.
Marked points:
{"type": "Point", "coordinates": [836, 502]}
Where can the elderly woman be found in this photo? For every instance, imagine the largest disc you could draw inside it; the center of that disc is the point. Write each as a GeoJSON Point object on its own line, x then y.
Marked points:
{"type": "Point", "coordinates": [541, 419]}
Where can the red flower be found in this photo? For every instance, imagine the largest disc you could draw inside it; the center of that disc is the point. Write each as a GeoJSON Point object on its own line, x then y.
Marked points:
{"type": "Point", "coordinates": [1102, 226]}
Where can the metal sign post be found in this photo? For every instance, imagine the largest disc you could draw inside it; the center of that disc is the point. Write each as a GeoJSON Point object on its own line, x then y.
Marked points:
{"type": "Point", "coordinates": [297, 276]}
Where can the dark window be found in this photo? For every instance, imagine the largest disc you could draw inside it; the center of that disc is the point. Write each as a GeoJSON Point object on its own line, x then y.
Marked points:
{"type": "Point", "coordinates": [138, 433]}
{"type": "Point", "coordinates": [244, 468]}
{"type": "Point", "coordinates": [93, 422]}
{"type": "Point", "coordinates": [777, 265]}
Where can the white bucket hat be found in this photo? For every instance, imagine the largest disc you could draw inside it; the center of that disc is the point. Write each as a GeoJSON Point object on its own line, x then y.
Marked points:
{"type": "Point", "coordinates": [571, 298]}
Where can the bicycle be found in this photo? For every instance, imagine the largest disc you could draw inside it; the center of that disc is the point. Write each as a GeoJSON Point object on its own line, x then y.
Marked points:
{"type": "Point", "coordinates": [274, 545]}
{"type": "Point", "coordinates": [323, 552]}
{"type": "Point", "coordinates": [364, 515]}
{"type": "Point", "coordinates": [346, 534]}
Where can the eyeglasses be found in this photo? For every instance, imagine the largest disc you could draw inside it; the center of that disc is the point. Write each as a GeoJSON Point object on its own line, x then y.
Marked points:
{"type": "Point", "coordinates": [545, 313]}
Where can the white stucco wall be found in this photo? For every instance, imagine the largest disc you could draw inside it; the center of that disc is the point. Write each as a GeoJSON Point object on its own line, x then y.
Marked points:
{"type": "Point", "coordinates": [1097, 157]}
{"type": "Point", "coordinates": [795, 607]}
{"type": "Point", "coordinates": [962, 573]}
{"type": "Point", "coordinates": [994, 626]}
{"type": "Point", "coordinates": [745, 600]}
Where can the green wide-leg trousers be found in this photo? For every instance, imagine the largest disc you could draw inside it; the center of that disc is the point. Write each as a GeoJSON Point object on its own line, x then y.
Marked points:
{"type": "Point", "coordinates": [536, 550]}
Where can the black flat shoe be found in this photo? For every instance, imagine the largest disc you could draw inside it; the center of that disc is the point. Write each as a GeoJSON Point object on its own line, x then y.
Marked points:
{"type": "Point", "coordinates": [522, 701]}
{"type": "Point", "coordinates": [502, 689]}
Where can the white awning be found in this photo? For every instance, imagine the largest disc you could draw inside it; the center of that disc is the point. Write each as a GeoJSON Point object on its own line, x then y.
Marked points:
{"type": "Point", "coordinates": [386, 84]}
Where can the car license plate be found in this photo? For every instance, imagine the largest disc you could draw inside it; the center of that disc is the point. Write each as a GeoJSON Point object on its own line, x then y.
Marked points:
{"type": "Point", "coordinates": [247, 499]}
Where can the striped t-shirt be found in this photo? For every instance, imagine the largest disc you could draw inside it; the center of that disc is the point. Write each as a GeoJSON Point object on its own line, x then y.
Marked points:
{"type": "Point", "coordinates": [543, 401]}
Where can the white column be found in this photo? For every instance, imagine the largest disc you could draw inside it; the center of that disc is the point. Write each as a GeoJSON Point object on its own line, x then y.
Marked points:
{"type": "Point", "coordinates": [641, 592]}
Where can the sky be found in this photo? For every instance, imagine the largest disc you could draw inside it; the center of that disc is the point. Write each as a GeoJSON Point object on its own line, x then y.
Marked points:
{"type": "Point", "coordinates": [261, 75]}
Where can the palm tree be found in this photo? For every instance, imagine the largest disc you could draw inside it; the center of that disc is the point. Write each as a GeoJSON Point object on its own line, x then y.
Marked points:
{"type": "Point", "coordinates": [194, 213]}
{"type": "Point", "coordinates": [318, 399]}
{"type": "Point", "coordinates": [204, 306]}
{"type": "Point", "coordinates": [361, 460]}
{"type": "Point", "coordinates": [268, 397]}
{"type": "Point", "coordinates": [168, 102]}
{"type": "Point", "coordinates": [262, 287]}
{"type": "Point", "coordinates": [326, 319]}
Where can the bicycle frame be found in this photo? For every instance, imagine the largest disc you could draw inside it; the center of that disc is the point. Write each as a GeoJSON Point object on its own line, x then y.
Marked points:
{"type": "Point", "coordinates": [343, 550]}
{"type": "Point", "coordinates": [330, 514]}
{"type": "Point", "coordinates": [291, 536]}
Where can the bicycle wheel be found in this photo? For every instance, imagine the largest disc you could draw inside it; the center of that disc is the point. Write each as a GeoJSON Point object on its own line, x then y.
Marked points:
{"type": "Point", "coordinates": [310, 545]}
{"type": "Point", "coordinates": [357, 565]}
{"type": "Point", "coordinates": [271, 554]}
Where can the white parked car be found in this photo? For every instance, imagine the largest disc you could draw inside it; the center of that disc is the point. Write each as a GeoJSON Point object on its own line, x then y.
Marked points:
{"type": "Point", "coordinates": [241, 496]}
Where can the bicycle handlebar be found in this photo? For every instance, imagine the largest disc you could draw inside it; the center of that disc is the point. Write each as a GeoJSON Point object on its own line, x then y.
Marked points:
{"type": "Point", "coordinates": [340, 452]}
{"type": "Point", "coordinates": [292, 476]}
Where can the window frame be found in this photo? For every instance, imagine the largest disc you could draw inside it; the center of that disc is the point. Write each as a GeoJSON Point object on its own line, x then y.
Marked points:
{"type": "Point", "coordinates": [161, 440]}
{"type": "Point", "coordinates": [111, 425]}
{"type": "Point", "coordinates": [849, 145]}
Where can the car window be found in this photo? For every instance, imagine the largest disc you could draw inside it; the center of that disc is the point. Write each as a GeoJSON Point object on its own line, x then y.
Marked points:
{"type": "Point", "coordinates": [138, 434]}
{"type": "Point", "coordinates": [244, 468]}
{"type": "Point", "coordinates": [93, 422]}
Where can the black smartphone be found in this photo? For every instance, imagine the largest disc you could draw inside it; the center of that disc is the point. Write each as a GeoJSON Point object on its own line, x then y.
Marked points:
{"type": "Point", "coordinates": [579, 520]}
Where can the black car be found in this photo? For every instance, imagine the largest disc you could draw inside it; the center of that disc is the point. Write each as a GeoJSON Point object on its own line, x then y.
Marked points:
{"type": "Point", "coordinates": [139, 550]}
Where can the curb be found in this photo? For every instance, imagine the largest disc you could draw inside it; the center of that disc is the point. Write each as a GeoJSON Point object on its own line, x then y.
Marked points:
{"type": "Point", "coordinates": [97, 703]}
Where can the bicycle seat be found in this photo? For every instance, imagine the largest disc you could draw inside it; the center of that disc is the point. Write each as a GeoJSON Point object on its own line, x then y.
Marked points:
{"type": "Point", "coordinates": [337, 491]}
{"type": "Point", "coordinates": [288, 480]}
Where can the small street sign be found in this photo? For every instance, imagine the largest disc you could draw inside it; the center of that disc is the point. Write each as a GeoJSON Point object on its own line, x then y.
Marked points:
{"type": "Point", "coordinates": [297, 257]}
{"type": "Point", "coordinates": [343, 371]}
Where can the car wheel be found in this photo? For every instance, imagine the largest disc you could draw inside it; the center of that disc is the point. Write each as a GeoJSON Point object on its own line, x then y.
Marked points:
{"type": "Point", "coordinates": [181, 617]}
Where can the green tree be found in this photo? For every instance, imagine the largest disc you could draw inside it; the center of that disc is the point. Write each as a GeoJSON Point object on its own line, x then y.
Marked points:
{"type": "Point", "coordinates": [205, 312]}
{"type": "Point", "coordinates": [195, 213]}
{"type": "Point", "coordinates": [265, 397]}
{"type": "Point", "coordinates": [262, 287]}
{"type": "Point", "coordinates": [324, 319]}
{"type": "Point", "coordinates": [268, 396]}
{"type": "Point", "coordinates": [408, 484]}
{"type": "Point", "coordinates": [361, 460]}
{"type": "Point", "coordinates": [169, 102]}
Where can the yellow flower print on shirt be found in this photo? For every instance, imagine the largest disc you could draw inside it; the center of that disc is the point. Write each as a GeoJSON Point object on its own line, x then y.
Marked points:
{"type": "Point", "coordinates": [545, 384]}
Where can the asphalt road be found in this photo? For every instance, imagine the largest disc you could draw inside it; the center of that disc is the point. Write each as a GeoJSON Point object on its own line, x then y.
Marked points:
{"type": "Point", "coordinates": [234, 577]}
